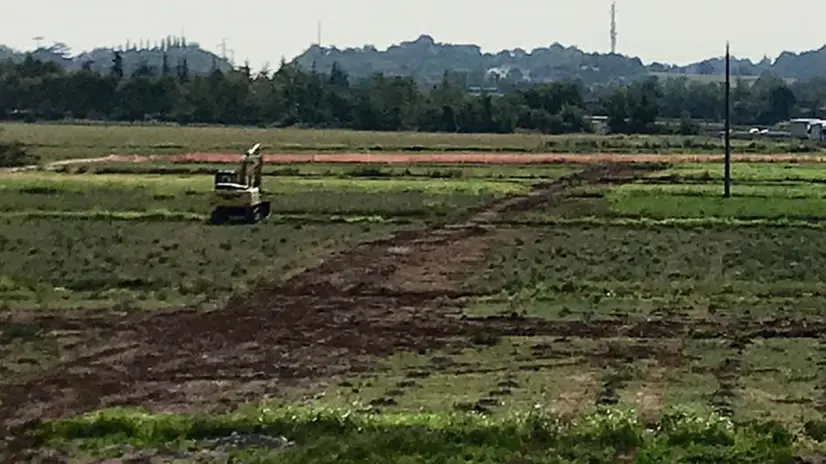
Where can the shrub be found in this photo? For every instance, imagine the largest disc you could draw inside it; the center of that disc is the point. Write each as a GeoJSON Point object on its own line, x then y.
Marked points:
{"type": "Point", "coordinates": [14, 154]}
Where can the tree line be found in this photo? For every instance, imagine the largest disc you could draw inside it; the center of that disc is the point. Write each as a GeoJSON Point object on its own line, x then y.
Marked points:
{"type": "Point", "coordinates": [290, 96]}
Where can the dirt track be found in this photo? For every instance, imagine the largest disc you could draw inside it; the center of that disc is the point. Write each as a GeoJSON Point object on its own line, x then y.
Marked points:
{"type": "Point", "coordinates": [468, 158]}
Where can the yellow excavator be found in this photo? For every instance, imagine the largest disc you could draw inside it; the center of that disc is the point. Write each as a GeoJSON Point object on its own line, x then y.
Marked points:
{"type": "Point", "coordinates": [238, 194]}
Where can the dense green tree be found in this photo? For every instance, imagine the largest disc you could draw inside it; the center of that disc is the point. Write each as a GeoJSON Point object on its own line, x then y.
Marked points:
{"type": "Point", "coordinates": [290, 96]}
{"type": "Point", "coordinates": [117, 66]}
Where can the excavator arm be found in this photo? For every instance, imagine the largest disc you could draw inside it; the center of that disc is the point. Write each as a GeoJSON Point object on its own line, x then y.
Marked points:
{"type": "Point", "coordinates": [251, 167]}
{"type": "Point", "coordinates": [257, 170]}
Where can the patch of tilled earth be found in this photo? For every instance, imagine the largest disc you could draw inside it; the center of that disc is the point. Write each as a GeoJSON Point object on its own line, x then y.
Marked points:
{"type": "Point", "coordinates": [373, 300]}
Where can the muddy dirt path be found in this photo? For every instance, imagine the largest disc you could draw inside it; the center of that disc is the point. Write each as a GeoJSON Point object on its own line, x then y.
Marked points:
{"type": "Point", "coordinates": [367, 302]}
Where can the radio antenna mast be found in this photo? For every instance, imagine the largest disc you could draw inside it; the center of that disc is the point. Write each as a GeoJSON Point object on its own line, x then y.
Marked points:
{"type": "Point", "coordinates": [613, 28]}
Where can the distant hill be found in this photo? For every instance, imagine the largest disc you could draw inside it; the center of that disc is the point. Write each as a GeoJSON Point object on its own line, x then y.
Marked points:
{"type": "Point", "coordinates": [198, 60]}
{"type": "Point", "coordinates": [427, 60]}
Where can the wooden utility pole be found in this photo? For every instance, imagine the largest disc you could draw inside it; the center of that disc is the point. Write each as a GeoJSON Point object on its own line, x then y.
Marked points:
{"type": "Point", "coordinates": [727, 170]}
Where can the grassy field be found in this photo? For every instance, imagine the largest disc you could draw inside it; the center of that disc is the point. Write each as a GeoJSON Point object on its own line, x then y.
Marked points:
{"type": "Point", "coordinates": [76, 262]}
{"type": "Point", "coordinates": [388, 198]}
{"type": "Point", "coordinates": [65, 141]}
{"type": "Point", "coordinates": [644, 319]}
{"type": "Point", "coordinates": [90, 239]}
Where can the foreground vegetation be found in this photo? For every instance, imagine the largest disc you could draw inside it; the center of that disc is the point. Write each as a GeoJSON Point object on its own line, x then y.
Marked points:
{"type": "Point", "coordinates": [328, 436]}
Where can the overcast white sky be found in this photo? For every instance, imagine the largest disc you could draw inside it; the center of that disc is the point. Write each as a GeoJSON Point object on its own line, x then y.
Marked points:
{"type": "Point", "coordinates": [264, 31]}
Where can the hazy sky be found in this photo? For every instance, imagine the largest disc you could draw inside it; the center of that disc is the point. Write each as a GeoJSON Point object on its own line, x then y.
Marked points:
{"type": "Point", "coordinates": [264, 31]}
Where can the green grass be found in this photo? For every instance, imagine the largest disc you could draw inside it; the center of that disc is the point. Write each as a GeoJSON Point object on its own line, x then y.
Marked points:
{"type": "Point", "coordinates": [64, 141]}
{"type": "Point", "coordinates": [645, 263]}
{"type": "Point", "coordinates": [747, 172]}
{"type": "Point", "coordinates": [691, 195]}
{"type": "Point", "coordinates": [785, 190]}
{"type": "Point", "coordinates": [349, 436]}
{"type": "Point", "coordinates": [622, 278]}
{"type": "Point", "coordinates": [549, 220]}
{"type": "Point", "coordinates": [100, 263]}
{"type": "Point", "coordinates": [791, 201]}
{"type": "Point", "coordinates": [115, 218]}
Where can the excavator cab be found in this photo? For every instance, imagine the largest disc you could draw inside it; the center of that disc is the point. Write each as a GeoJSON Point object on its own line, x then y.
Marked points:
{"type": "Point", "coordinates": [226, 179]}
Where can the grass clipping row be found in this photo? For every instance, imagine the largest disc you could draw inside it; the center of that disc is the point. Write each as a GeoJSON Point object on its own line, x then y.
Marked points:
{"type": "Point", "coordinates": [340, 435]}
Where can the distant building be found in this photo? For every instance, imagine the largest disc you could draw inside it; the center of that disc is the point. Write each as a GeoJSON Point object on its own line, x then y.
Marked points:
{"type": "Point", "coordinates": [816, 130]}
{"type": "Point", "coordinates": [599, 123]}
{"type": "Point", "coordinates": [478, 90]}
